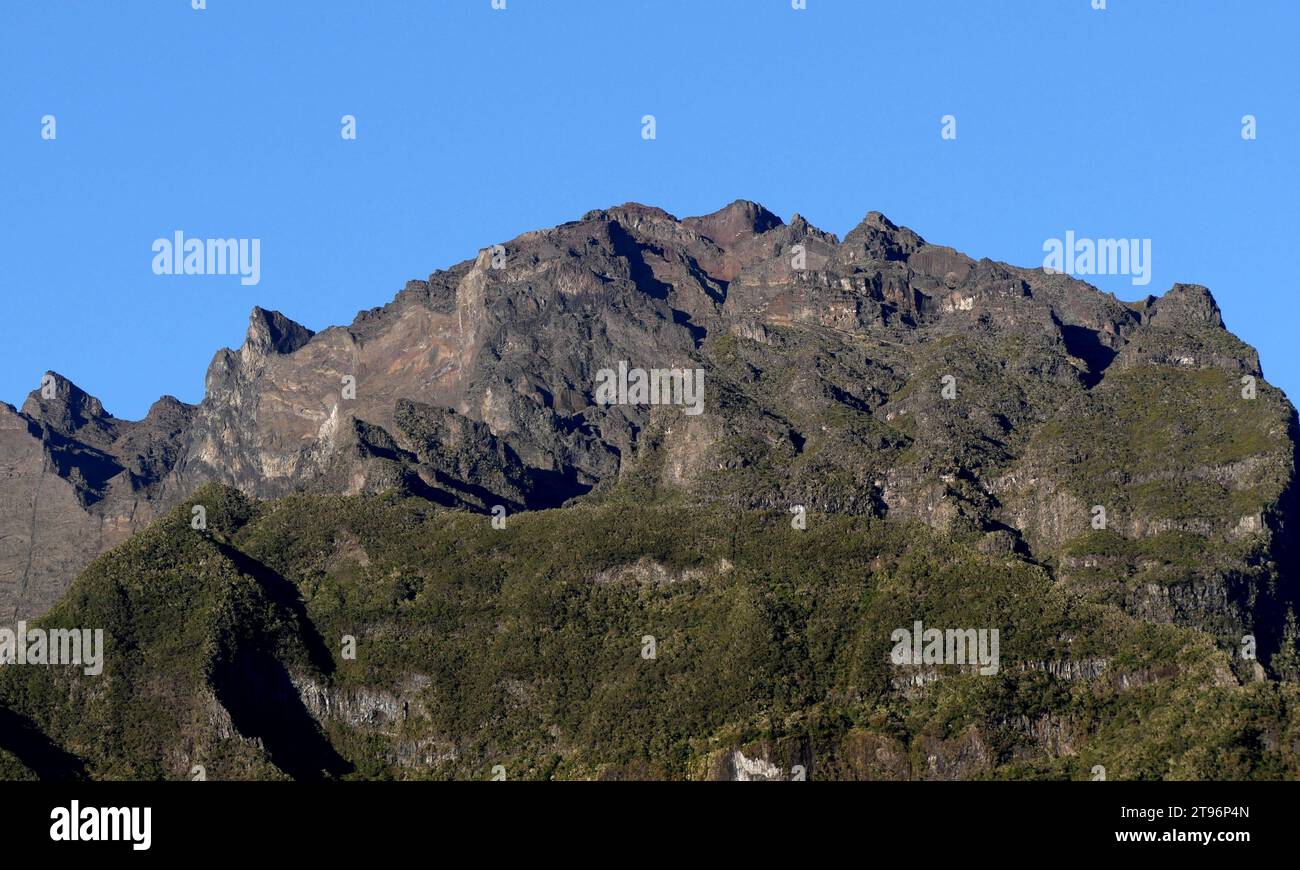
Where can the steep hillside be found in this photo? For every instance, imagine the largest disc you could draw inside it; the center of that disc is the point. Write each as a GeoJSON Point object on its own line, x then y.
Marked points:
{"type": "Point", "coordinates": [529, 647]}
{"type": "Point", "coordinates": [1112, 486]}
{"type": "Point", "coordinates": [878, 375]}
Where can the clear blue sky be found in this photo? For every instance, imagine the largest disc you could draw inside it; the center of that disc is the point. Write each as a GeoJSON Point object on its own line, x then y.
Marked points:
{"type": "Point", "coordinates": [475, 125]}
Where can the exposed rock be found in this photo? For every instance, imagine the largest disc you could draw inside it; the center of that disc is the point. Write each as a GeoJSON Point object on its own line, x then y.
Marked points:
{"type": "Point", "coordinates": [825, 364]}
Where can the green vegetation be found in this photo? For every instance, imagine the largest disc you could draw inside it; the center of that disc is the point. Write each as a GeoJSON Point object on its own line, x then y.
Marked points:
{"type": "Point", "coordinates": [1171, 443]}
{"type": "Point", "coordinates": [524, 647]}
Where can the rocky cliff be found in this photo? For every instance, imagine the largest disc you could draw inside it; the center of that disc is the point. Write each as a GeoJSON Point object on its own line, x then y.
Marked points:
{"type": "Point", "coordinates": [875, 375]}
{"type": "Point", "coordinates": [888, 431]}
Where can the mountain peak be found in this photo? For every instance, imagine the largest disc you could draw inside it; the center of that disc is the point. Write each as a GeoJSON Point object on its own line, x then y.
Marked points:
{"type": "Point", "coordinates": [1184, 304]}
{"type": "Point", "coordinates": [876, 237]}
{"type": "Point", "coordinates": [879, 221]}
{"type": "Point", "coordinates": [632, 213]}
{"type": "Point", "coordinates": [271, 332]}
{"type": "Point", "coordinates": [736, 220]}
{"type": "Point", "coordinates": [64, 405]}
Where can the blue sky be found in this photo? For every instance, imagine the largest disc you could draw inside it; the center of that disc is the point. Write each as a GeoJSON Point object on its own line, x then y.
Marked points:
{"type": "Point", "coordinates": [474, 125]}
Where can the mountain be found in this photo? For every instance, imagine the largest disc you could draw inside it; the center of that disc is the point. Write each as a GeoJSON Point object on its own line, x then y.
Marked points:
{"type": "Point", "coordinates": [1114, 484]}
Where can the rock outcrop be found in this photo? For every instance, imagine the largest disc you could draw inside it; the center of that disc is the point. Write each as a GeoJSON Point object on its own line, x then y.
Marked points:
{"type": "Point", "coordinates": [879, 374]}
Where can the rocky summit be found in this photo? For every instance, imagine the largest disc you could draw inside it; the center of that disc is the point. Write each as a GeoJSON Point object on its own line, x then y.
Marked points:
{"type": "Point", "coordinates": [563, 584]}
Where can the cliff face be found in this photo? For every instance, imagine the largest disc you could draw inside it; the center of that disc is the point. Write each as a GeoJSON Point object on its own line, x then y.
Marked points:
{"type": "Point", "coordinates": [75, 482]}
{"type": "Point", "coordinates": [1112, 486]}
{"type": "Point", "coordinates": [875, 375]}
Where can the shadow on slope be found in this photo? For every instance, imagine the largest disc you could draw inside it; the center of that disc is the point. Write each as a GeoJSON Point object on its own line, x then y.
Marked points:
{"type": "Point", "coordinates": [21, 737]}
{"type": "Point", "coordinates": [257, 690]}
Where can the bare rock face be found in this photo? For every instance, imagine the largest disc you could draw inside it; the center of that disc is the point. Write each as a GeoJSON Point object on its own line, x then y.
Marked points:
{"type": "Point", "coordinates": [74, 481]}
{"type": "Point", "coordinates": [878, 374]}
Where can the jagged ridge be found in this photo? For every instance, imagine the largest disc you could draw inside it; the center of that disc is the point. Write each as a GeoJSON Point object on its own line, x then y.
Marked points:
{"type": "Point", "coordinates": [824, 360]}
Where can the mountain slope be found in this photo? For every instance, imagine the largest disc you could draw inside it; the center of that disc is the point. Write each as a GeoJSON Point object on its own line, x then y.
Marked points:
{"type": "Point", "coordinates": [1112, 486]}
{"type": "Point", "coordinates": [878, 375]}
{"type": "Point", "coordinates": [529, 648]}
